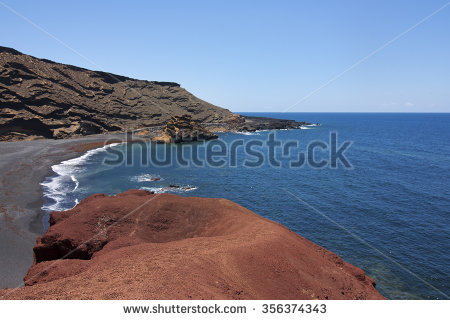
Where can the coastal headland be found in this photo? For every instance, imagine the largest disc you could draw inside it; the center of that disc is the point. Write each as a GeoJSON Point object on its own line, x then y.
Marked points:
{"type": "Point", "coordinates": [40, 99]}
{"type": "Point", "coordinates": [140, 245]}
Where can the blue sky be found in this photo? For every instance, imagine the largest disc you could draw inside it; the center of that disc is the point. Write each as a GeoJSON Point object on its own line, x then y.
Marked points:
{"type": "Point", "coordinates": [254, 55]}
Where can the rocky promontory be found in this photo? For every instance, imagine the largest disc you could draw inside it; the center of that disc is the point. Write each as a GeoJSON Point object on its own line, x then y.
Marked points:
{"type": "Point", "coordinates": [183, 129]}
{"type": "Point", "coordinates": [139, 245]}
{"type": "Point", "coordinates": [40, 98]}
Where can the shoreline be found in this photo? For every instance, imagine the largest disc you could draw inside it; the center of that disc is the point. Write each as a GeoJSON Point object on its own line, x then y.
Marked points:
{"type": "Point", "coordinates": [24, 165]}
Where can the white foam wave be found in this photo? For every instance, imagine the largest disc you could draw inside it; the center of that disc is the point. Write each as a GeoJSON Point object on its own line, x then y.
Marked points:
{"type": "Point", "coordinates": [77, 183]}
{"type": "Point", "coordinates": [170, 189]}
{"type": "Point", "coordinates": [56, 188]}
{"type": "Point", "coordinates": [146, 178]}
{"type": "Point", "coordinates": [71, 166]}
{"type": "Point", "coordinates": [246, 133]}
{"type": "Point", "coordinates": [305, 128]}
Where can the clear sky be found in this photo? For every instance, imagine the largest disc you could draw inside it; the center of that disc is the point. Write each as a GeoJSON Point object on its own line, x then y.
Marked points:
{"type": "Point", "coordinates": [254, 55]}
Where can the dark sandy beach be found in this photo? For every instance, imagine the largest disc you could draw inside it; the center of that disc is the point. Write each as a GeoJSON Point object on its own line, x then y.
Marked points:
{"type": "Point", "coordinates": [23, 166]}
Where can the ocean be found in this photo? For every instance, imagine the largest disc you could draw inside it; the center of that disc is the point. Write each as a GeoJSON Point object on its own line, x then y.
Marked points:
{"type": "Point", "coordinates": [386, 211]}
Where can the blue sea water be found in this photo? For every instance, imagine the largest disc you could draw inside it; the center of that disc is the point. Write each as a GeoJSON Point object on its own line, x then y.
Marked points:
{"type": "Point", "coordinates": [388, 215]}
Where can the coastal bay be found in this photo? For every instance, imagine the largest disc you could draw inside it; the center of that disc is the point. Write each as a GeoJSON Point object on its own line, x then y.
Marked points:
{"type": "Point", "coordinates": [401, 226]}
{"type": "Point", "coordinates": [383, 207]}
{"type": "Point", "coordinates": [24, 165]}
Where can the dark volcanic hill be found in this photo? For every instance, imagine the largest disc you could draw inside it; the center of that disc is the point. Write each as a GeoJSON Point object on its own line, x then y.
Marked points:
{"type": "Point", "coordinates": [43, 99]}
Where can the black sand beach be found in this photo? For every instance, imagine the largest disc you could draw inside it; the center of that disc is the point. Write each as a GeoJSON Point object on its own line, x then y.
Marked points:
{"type": "Point", "coordinates": [23, 166]}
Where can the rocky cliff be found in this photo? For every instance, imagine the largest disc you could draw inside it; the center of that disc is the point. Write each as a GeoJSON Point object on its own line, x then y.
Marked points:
{"type": "Point", "coordinates": [183, 129]}
{"type": "Point", "coordinates": [138, 245]}
{"type": "Point", "coordinates": [43, 99]}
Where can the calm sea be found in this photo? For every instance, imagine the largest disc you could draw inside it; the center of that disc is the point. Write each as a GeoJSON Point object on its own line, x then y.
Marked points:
{"type": "Point", "coordinates": [389, 214]}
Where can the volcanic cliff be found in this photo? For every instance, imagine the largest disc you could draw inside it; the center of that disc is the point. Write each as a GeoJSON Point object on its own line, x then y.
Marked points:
{"type": "Point", "coordinates": [40, 98]}
{"type": "Point", "coordinates": [139, 245]}
{"type": "Point", "coordinates": [183, 129]}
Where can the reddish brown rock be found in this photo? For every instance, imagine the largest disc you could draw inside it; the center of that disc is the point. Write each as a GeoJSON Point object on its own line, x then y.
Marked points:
{"type": "Point", "coordinates": [139, 245]}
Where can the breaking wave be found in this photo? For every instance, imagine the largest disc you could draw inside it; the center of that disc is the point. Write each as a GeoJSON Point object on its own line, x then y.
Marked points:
{"type": "Point", "coordinates": [146, 178]}
{"type": "Point", "coordinates": [177, 189]}
{"type": "Point", "coordinates": [58, 188]}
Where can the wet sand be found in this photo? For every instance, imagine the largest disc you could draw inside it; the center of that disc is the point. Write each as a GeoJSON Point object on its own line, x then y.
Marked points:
{"type": "Point", "coordinates": [23, 166]}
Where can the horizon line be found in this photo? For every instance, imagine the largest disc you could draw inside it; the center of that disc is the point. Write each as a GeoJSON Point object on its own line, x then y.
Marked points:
{"type": "Point", "coordinates": [404, 112]}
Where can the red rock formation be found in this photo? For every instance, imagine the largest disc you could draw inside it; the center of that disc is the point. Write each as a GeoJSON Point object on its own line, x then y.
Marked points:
{"type": "Point", "coordinates": [137, 245]}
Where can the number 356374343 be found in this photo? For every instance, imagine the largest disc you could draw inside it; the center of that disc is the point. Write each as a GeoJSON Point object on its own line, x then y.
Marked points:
{"type": "Point", "coordinates": [294, 308]}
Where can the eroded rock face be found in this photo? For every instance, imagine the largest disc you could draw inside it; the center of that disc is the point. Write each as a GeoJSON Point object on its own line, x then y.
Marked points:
{"type": "Point", "coordinates": [43, 99]}
{"type": "Point", "coordinates": [183, 129]}
{"type": "Point", "coordinates": [139, 245]}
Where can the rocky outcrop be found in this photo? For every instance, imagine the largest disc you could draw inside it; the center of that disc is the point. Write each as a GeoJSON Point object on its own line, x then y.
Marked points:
{"type": "Point", "coordinates": [250, 124]}
{"type": "Point", "coordinates": [44, 99]}
{"type": "Point", "coordinates": [260, 123]}
{"type": "Point", "coordinates": [183, 129]}
{"type": "Point", "coordinates": [40, 98]}
{"type": "Point", "coordinates": [139, 245]}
